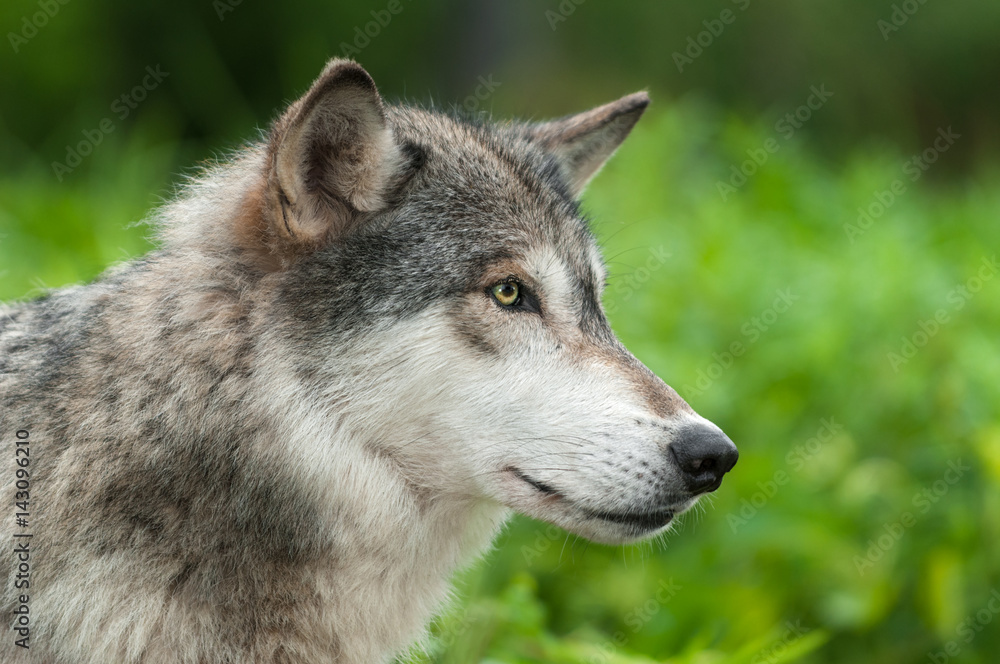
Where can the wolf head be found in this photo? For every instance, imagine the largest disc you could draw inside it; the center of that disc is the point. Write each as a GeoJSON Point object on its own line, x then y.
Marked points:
{"type": "Point", "coordinates": [438, 296]}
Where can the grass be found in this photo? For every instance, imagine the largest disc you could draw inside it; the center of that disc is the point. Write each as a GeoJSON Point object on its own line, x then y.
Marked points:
{"type": "Point", "coordinates": [862, 521]}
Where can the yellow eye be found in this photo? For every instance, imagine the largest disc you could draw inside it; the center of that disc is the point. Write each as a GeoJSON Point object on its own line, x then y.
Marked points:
{"type": "Point", "coordinates": [507, 293]}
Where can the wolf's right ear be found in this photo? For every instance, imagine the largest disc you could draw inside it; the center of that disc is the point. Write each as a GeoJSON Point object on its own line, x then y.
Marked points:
{"type": "Point", "coordinates": [330, 157]}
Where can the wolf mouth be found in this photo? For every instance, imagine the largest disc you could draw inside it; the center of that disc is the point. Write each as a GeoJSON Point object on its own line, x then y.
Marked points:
{"type": "Point", "coordinates": [643, 520]}
{"type": "Point", "coordinates": [540, 486]}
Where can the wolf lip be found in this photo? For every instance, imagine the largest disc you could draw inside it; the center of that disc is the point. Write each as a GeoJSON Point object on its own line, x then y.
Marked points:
{"type": "Point", "coordinates": [540, 486]}
{"type": "Point", "coordinates": [644, 520]}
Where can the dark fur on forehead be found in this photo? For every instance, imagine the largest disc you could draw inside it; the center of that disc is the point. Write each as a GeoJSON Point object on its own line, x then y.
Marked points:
{"type": "Point", "coordinates": [533, 165]}
{"type": "Point", "coordinates": [457, 134]}
{"type": "Point", "coordinates": [491, 169]}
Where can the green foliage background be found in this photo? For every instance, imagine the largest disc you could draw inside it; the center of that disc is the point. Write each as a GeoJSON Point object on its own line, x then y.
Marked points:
{"type": "Point", "coordinates": [851, 547]}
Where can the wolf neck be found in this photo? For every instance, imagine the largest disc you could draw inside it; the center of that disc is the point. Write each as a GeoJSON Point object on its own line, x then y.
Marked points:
{"type": "Point", "coordinates": [397, 567]}
{"type": "Point", "coordinates": [395, 544]}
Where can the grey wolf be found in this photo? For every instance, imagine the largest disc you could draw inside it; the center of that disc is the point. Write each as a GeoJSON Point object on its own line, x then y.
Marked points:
{"type": "Point", "coordinates": [359, 347]}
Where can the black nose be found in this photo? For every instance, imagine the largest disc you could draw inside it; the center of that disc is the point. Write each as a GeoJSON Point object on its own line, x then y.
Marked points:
{"type": "Point", "coordinates": [704, 454]}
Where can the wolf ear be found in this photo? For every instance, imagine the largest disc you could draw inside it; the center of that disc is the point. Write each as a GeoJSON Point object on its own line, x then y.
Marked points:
{"type": "Point", "coordinates": [331, 156]}
{"type": "Point", "coordinates": [583, 142]}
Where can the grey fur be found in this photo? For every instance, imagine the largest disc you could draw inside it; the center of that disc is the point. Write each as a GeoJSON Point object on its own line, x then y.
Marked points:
{"type": "Point", "coordinates": [183, 408]}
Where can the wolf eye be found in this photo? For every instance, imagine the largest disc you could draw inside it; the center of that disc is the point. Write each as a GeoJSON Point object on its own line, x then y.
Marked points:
{"type": "Point", "coordinates": [507, 293]}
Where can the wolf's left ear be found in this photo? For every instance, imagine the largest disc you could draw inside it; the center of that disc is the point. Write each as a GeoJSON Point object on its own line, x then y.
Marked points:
{"type": "Point", "coordinates": [331, 156]}
{"type": "Point", "coordinates": [583, 142]}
